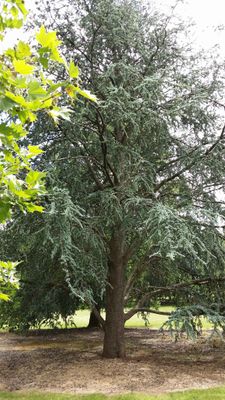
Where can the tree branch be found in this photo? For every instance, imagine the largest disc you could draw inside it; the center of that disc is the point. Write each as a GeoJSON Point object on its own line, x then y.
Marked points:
{"type": "Point", "coordinates": [136, 271]}
{"type": "Point", "coordinates": [134, 311]}
{"type": "Point", "coordinates": [99, 317]}
{"type": "Point", "coordinates": [177, 286]}
{"type": "Point", "coordinates": [131, 249]}
{"type": "Point", "coordinates": [205, 154]}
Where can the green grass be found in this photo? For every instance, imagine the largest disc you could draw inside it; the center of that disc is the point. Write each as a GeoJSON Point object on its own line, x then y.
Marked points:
{"type": "Point", "coordinates": [155, 321]}
{"type": "Point", "coordinates": [81, 319]}
{"type": "Point", "coordinates": [82, 316]}
{"type": "Point", "coordinates": [208, 394]}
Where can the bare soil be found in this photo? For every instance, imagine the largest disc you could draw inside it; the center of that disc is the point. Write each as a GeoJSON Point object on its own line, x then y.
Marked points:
{"type": "Point", "coordinates": [70, 361]}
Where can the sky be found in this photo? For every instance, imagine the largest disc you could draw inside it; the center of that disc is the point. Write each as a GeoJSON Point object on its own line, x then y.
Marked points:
{"type": "Point", "coordinates": [207, 14]}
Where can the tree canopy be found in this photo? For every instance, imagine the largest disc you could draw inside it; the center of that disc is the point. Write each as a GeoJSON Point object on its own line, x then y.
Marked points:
{"type": "Point", "coordinates": [140, 170]}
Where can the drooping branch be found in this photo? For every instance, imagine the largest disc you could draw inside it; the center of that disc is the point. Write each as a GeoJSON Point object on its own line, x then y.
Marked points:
{"type": "Point", "coordinates": [134, 311]}
{"type": "Point", "coordinates": [177, 286]}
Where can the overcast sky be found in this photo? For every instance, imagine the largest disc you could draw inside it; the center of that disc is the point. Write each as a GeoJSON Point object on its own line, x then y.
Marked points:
{"type": "Point", "coordinates": [207, 14]}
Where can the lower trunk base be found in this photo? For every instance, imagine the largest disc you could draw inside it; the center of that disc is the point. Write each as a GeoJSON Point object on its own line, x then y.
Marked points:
{"type": "Point", "coordinates": [114, 346]}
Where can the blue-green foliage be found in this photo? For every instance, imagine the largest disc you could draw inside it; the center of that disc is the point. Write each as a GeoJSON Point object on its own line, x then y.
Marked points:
{"type": "Point", "coordinates": [144, 162]}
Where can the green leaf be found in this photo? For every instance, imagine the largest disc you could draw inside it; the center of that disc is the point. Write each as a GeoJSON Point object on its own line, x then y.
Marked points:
{"type": "Point", "coordinates": [23, 194]}
{"type": "Point", "coordinates": [10, 53]}
{"type": "Point", "coordinates": [4, 297]}
{"type": "Point", "coordinates": [47, 39]}
{"type": "Point", "coordinates": [21, 6]}
{"type": "Point", "coordinates": [22, 50]}
{"type": "Point", "coordinates": [34, 151]}
{"type": "Point", "coordinates": [5, 129]}
{"type": "Point", "coordinates": [22, 67]}
{"type": "Point", "coordinates": [71, 90]}
{"type": "Point", "coordinates": [17, 99]}
{"type": "Point", "coordinates": [4, 211]}
{"type": "Point", "coordinates": [56, 56]}
{"type": "Point", "coordinates": [14, 23]}
{"type": "Point", "coordinates": [34, 177]}
{"type": "Point", "coordinates": [20, 82]}
{"type": "Point", "coordinates": [63, 112]}
{"type": "Point", "coordinates": [35, 90]}
{"type": "Point", "coordinates": [14, 11]}
{"type": "Point", "coordinates": [34, 208]}
{"type": "Point", "coordinates": [6, 103]}
{"type": "Point", "coordinates": [86, 94]}
{"type": "Point", "coordinates": [8, 264]}
{"type": "Point", "coordinates": [44, 61]}
{"type": "Point", "coordinates": [73, 70]}
{"type": "Point", "coordinates": [23, 116]}
{"type": "Point", "coordinates": [18, 130]}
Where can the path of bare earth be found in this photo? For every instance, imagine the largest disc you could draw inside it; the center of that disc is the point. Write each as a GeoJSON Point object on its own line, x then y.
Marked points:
{"type": "Point", "coordinates": [70, 361]}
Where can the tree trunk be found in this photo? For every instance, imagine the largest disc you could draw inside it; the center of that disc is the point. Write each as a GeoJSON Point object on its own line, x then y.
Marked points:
{"type": "Point", "coordinates": [93, 320]}
{"type": "Point", "coordinates": [114, 345]}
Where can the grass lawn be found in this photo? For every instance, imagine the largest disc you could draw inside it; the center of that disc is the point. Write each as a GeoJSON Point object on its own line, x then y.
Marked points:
{"type": "Point", "coordinates": [155, 321]}
{"type": "Point", "coordinates": [81, 319]}
{"type": "Point", "coordinates": [208, 394]}
{"type": "Point", "coordinates": [82, 316]}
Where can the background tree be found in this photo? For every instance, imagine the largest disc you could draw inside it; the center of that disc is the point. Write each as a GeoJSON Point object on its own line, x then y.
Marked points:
{"type": "Point", "coordinates": [144, 164]}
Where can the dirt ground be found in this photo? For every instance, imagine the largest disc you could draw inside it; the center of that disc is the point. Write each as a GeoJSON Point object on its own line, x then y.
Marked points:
{"type": "Point", "coordinates": [70, 361]}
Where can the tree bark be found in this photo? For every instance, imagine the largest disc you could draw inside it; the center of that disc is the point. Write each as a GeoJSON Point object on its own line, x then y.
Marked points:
{"type": "Point", "coordinates": [114, 345]}
{"type": "Point", "coordinates": [93, 320]}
